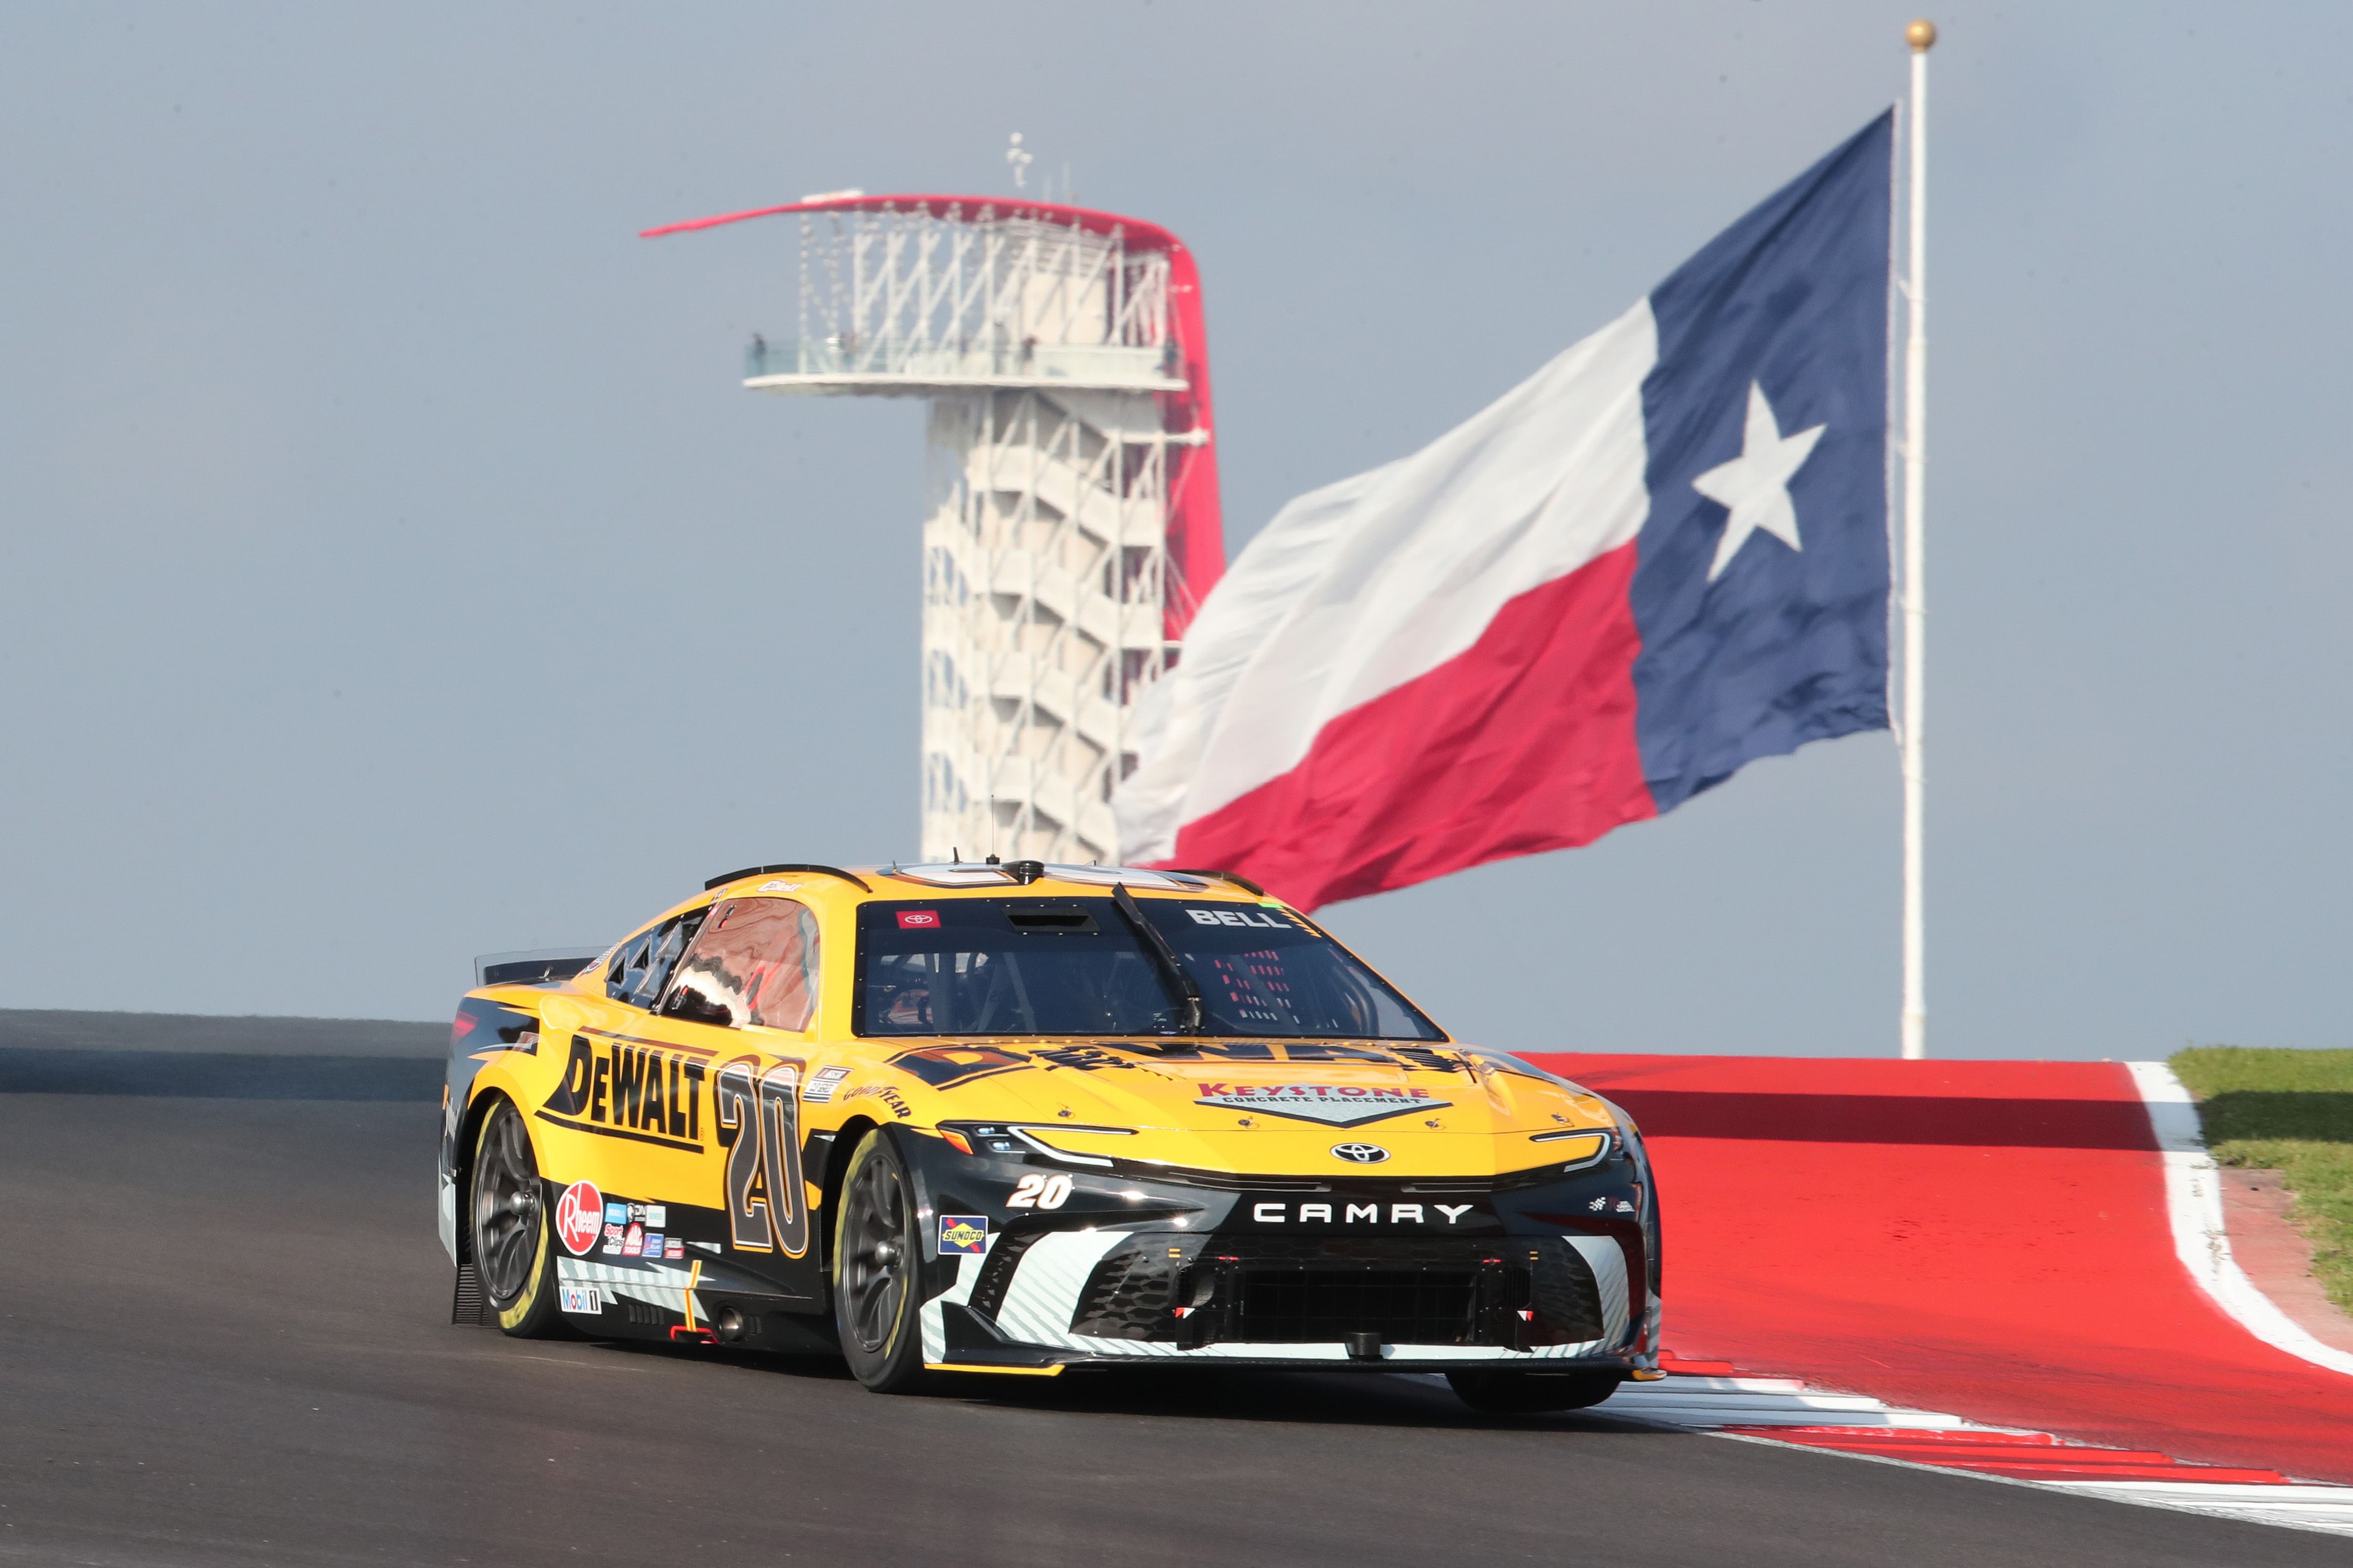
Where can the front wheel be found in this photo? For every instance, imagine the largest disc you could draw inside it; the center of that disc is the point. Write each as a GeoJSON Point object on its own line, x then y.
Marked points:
{"type": "Point", "coordinates": [1509, 1391]}
{"type": "Point", "coordinates": [511, 1251]}
{"type": "Point", "coordinates": [877, 1270]}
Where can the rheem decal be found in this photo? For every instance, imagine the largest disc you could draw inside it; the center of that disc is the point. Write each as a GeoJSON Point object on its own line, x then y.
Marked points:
{"type": "Point", "coordinates": [578, 1215]}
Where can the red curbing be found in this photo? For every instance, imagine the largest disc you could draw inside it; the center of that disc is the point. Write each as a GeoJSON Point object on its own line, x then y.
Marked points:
{"type": "Point", "coordinates": [1987, 1238]}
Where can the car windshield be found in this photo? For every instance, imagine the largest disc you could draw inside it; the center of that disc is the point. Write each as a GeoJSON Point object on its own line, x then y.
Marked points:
{"type": "Point", "coordinates": [1080, 966]}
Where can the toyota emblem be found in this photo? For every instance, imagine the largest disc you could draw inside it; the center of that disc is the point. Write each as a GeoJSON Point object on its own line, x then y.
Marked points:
{"type": "Point", "coordinates": [1361, 1154]}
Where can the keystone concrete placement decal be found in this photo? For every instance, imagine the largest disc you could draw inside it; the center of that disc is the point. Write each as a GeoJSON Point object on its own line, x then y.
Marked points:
{"type": "Point", "coordinates": [1334, 1105]}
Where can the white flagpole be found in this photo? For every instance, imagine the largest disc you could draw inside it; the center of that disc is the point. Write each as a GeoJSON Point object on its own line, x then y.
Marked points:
{"type": "Point", "coordinates": [1922, 36]}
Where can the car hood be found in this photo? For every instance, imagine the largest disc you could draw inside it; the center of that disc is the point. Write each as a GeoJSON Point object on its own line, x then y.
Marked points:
{"type": "Point", "coordinates": [1245, 1106]}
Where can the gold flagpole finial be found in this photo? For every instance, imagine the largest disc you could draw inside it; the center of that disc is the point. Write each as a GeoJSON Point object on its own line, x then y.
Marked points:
{"type": "Point", "coordinates": [1921, 35]}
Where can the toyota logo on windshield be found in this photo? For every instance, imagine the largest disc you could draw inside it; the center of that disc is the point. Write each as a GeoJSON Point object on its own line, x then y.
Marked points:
{"type": "Point", "coordinates": [1361, 1154]}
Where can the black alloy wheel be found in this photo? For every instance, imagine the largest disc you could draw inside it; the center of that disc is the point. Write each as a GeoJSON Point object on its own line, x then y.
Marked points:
{"type": "Point", "coordinates": [878, 1270]}
{"type": "Point", "coordinates": [1512, 1391]}
{"type": "Point", "coordinates": [510, 1253]}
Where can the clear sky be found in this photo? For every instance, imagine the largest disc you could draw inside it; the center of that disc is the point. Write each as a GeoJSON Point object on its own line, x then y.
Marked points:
{"type": "Point", "coordinates": [394, 570]}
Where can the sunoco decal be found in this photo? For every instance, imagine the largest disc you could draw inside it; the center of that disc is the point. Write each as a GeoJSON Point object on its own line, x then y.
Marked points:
{"type": "Point", "coordinates": [1334, 1105]}
{"type": "Point", "coordinates": [962, 1235]}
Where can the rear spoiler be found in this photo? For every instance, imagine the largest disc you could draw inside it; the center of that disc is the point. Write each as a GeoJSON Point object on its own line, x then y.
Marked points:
{"type": "Point", "coordinates": [533, 966]}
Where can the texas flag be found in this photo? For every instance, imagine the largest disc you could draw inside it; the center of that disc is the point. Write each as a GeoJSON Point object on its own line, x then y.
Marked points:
{"type": "Point", "coordinates": [1661, 556]}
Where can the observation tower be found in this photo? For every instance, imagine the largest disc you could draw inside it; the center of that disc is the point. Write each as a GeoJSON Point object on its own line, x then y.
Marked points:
{"type": "Point", "coordinates": [1070, 521]}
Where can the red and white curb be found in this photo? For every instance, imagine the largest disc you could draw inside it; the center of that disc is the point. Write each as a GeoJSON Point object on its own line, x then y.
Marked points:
{"type": "Point", "coordinates": [1712, 1398]}
{"type": "Point", "coordinates": [2193, 1201]}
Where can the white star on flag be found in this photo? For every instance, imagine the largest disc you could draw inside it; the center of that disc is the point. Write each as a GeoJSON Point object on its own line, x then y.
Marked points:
{"type": "Point", "coordinates": [1755, 486]}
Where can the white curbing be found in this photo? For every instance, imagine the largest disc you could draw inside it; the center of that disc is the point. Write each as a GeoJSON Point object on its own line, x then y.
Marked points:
{"type": "Point", "coordinates": [2193, 1204]}
{"type": "Point", "coordinates": [1755, 1405]}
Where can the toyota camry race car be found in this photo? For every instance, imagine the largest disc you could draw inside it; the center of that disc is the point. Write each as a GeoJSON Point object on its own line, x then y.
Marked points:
{"type": "Point", "coordinates": [1017, 1118]}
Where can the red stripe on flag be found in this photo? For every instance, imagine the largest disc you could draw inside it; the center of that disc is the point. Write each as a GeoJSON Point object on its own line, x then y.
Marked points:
{"type": "Point", "coordinates": [1521, 743]}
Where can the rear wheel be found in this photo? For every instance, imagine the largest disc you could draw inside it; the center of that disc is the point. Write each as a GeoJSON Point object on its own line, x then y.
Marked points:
{"type": "Point", "coordinates": [1509, 1391]}
{"type": "Point", "coordinates": [511, 1252]}
{"type": "Point", "coordinates": [877, 1270]}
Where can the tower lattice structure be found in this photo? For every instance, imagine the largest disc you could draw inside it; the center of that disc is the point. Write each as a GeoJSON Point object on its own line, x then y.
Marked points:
{"type": "Point", "coordinates": [1070, 519]}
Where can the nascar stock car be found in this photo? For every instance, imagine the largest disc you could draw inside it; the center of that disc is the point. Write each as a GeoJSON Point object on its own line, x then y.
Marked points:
{"type": "Point", "coordinates": [1016, 1118]}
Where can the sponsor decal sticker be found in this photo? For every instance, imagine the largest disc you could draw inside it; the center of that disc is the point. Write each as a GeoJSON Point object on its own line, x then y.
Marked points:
{"type": "Point", "coordinates": [964, 1235]}
{"type": "Point", "coordinates": [1334, 1105]}
{"type": "Point", "coordinates": [1361, 1154]}
{"type": "Point", "coordinates": [1233, 917]}
{"type": "Point", "coordinates": [618, 1089]}
{"type": "Point", "coordinates": [616, 1213]}
{"type": "Point", "coordinates": [888, 1094]}
{"type": "Point", "coordinates": [657, 1216]}
{"type": "Point", "coordinates": [613, 1234]}
{"type": "Point", "coordinates": [653, 1244]}
{"type": "Point", "coordinates": [823, 1082]}
{"type": "Point", "coordinates": [918, 919]}
{"type": "Point", "coordinates": [579, 1299]}
{"type": "Point", "coordinates": [634, 1243]}
{"type": "Point", "coordinates": [576, 1214]}
{"type": "Point", "coordinates": [673, 1247]}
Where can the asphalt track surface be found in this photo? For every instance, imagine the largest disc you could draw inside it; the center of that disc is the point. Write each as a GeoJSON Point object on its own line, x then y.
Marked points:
{"type": "Point", "coordinates": [224, 1338]}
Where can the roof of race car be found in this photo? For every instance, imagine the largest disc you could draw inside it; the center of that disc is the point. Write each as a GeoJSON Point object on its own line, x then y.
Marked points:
{"type": "Point", "coordinates": [1029, 878]}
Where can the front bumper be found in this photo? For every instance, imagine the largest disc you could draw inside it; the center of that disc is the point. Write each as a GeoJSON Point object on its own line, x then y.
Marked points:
{"type": "Point", "coordinates": [1149, 1264]}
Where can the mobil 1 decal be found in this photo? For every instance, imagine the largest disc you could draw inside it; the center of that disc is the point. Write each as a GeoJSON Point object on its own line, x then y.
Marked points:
{"type": "Point", "coordinates": [640, 1090]}
{"type": "Point", "coordinates": [1332, 1104]}
{"type": "Point", "coordinates": [759, 1125]}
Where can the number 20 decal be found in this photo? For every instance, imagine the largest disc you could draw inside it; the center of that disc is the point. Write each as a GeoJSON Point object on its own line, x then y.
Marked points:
{"type": "Point", "coordinates": [760, 1125]}
{"type": "Point", "coordinates": [1039, 1192]}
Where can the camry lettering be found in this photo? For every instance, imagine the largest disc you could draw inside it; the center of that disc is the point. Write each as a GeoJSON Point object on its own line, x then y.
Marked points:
{"type": "Point", "coordinates": [1273, 1212]}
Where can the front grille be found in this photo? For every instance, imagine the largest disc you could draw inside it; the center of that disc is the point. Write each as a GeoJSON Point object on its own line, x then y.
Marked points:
{"type": "Point", "coordinates": [1407, 1305]}
{"type": "Point", "coordinates": [1517, 1292]}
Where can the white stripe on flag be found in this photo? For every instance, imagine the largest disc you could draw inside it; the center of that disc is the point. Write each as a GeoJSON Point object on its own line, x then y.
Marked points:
{"type": "Point", "coordinates": [1357, 588]}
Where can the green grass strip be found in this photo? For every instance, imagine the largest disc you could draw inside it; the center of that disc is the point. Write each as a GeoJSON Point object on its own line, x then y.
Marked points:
{"type": "Point", "coordinates": [2290, 1111]}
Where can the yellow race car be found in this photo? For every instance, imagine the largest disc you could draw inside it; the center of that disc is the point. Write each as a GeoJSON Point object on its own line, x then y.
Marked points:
{"type": "Point", "coordinates": [1016, 1118]}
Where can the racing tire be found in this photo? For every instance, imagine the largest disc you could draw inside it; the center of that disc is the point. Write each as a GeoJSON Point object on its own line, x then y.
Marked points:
{"type": "Point", "coordinates": [878, 1270]}
{"type": "Point", "coordinates": [510, 1242]}
{"type": "Point", "coordinates": [1509, 1391]}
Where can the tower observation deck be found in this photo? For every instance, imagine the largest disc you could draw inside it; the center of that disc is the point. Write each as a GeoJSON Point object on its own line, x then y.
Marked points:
{"type": "Point", "coordinates": [1070, 518]}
